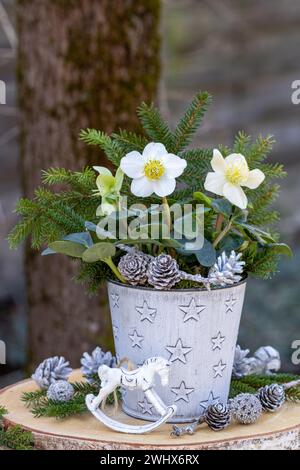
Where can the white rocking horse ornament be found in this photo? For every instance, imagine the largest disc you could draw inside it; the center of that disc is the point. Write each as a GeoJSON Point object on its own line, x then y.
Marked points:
{"type": "Point", "coordinates": [138, 379]}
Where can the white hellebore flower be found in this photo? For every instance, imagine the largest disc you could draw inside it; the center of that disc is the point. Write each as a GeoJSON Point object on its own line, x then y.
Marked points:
{"type": "Point", "coordinates": [229, 175]}
{"type": "Point", "coordinates": [153, 171]}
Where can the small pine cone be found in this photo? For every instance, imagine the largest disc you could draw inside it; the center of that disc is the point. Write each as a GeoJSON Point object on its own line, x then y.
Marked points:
{"type": "Point", "coordinates": [163, 272]}
{"type": "Point", "coordinates": [51, 370]}
{"type": "Point", "coordinates": [272, 397]}
{"type": "Point", "coordinates": [90, 363]}
{"type": "Point", "coordinates": [217, 416]}
{"type": "Point", "coordinates": [227, 270]}
{"type": "Point", "coordinates": [133, 267]}
{"type": "Point", "coordinates": [61, 391]}
{"type": "Point", "coordinates": [246, 408]}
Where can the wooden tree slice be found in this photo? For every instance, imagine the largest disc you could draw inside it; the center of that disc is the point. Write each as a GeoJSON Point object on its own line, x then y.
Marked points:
{"type": "Point", "coordinates": [271, 432]}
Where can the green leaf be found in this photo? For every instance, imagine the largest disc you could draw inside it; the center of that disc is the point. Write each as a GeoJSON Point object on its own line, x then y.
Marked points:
{"type": "Point", "coordinates": [102, 170]}
{"type": "Point", "coordinates": [281, 249]}
{"type": "Point", "coordinates": [90, 226]}
{"type": "Point", "coordinates": [119, 178]}
{"type": "Point", "coordinates": [222, 206]}
{"type": "Point", "coordinates": [259, 234]}
{"type": "Point", "coordinates": [201, 197]}
{"type": "Point", "coordinates": [48, 252]}
{"type": "Point", "coordinates": [75, 250]}
{"type": "Point", "coordinates": [98, 252]}
{"type": "Point", "coordinates": [207, 255]}
{"type": "Point", "coordinates": [188, 226]}
{"type": "Point", "coordinates": [231, 242]}
{"type": "Point", "coordinates": [83, 238]}
{"type": "Point", "coordinates": [240, 216]}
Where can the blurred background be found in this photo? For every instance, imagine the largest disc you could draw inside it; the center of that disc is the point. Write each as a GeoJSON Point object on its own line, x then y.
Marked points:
{"type": "Point", "coordinates": [244, 52]}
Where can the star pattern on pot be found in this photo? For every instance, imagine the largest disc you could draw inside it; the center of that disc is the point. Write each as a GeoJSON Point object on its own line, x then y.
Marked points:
{"type": "Point", "coordinates": [191, 311]}
{"type": "Point", "coordinates": [219, 369]}
{"type": "Point", "coordinates": [116, 332]}
{"type": "Point", "coordinates": [182, 392]}
{"type": "Point", "coordinates": [146, 407]}
{"type": "Point", "coordinates": [212, 400]}
{"type": "Point", "coordinates": [146, 312]}
{"type": "Point", "coordinates": [178, 352]}
{"type": "Point", "coordinates": [136, 339]}
{"type": "Point", "coordinates": [230, 303]}
{"type": "Point", "coordinates": [217, 341]}
{"type": "Point", "coordinates": [115, 300]}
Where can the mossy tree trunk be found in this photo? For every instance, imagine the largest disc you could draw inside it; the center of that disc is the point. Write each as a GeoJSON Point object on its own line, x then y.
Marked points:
{"type": "Point", "coordinates": [85, 63]}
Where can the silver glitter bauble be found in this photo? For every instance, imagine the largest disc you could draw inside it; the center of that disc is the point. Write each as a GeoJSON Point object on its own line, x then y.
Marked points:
{"type": "Point", "coordinates": [246, 408]}
{"type": "Point", "coordinates": [272, 397]}
{"type": "Point", "coordinates": [217, 416]}
{"type": "Point", "coordinates": [61, 391]}
{"type": "Point", "coordinates": [91, 362]}
{"type": "Point", "coordinates": [133, 268]}
{"type": "Point", "coordinates": [51, 370]}
{"type": "Point", "coordinates": [163, 272]}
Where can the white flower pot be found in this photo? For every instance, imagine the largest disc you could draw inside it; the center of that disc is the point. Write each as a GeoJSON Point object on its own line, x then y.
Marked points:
{"type": "Point", "coordinates": [196, 330]}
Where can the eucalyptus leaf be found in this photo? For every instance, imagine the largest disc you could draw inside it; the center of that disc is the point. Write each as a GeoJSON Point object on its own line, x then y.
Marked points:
{"type": "Point", "coordinates": [241, 216]}
{"type": "Point", "coordinates": [231, 242]}
{"type": "Point", "coordinates": [148, 229]}
{"type": "Point", "coordinates": [129, 241]}
{"type": "Point", "coordinates": [83, 238]}
{"type": "Point", "coordinates": [187, 225]}
{"type": "Point", "coordinates": [48, 251]}
{"type": "Point", "coordinates": [99, 252]}
{"type": "Point", "coordinates": [207, 255]}
{"type": "Point", "coordinates": [90, 226]}
{"type": "Point", "coordinates": [69, 248]}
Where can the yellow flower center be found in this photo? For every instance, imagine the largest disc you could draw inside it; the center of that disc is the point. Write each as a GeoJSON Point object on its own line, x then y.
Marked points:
{"type": "Point", "coordinates": [154, 169]}
{"type": "Point", "coordinates": [235, 174]}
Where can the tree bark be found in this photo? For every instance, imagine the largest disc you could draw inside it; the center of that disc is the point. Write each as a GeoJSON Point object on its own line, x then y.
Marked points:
{"type": "Point", "coordinates": [86, 63]}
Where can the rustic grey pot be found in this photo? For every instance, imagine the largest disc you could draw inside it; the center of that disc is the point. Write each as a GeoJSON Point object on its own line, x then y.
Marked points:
{"type": "Point", "coordinates": [195, 329]}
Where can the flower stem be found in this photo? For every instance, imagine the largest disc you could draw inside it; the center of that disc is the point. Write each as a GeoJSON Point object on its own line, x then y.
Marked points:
{"type": "Point", "coordinates": [167, 212]}
{"type": "Point", "coordinates": [222, 234]}
{"type": "Point", "coordinates": [219, 221]}
{"type": "Point", "coordinates": [114, 269]}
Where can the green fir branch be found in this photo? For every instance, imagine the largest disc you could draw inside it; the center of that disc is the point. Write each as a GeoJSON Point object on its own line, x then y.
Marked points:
{"type": "Point", "coordinates": [111, 147]}
{"type": "Point", "coordinates": [237, 387]}
{"type": "Point", "coordinates": [41, 406]}
{"type": "Point", "coordinates": [258, 151]}
{"type": "Point", "coordinates": [191, 120]}
{"type": "Point", "coordinates": [154, 125]}
{"type": "Point", "coordinates": [33, 398]}
{"type": "Point", "coordinates": [255, 382]}
{"type": "Point", "coordinates": [129, 141]}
